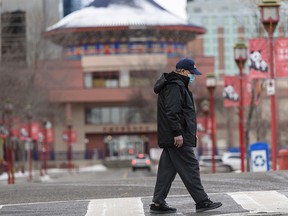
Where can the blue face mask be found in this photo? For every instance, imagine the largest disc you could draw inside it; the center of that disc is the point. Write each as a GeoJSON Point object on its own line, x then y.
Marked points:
{"type": "Point", "coordinates": [191, 78]}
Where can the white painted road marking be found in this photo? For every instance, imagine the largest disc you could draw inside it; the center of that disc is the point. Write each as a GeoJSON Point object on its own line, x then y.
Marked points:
{"type": "Point", "coordinates": [116, 207]}
{"type": "Point", "coordinates": [253, 201]}
{"type": "Point", "coordinates": [261, 201]}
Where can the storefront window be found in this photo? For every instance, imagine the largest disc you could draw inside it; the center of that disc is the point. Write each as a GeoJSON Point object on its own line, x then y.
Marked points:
{"type": "Point", "coordinates": [124, 146]}
{"type": "Point", "coordinates": [95, 116]}
{"type": "Point", "coordinates": [115, 115]}
{"type": "Point", "coordinates": [112, 115]}
{"type": "Point", "coordinates": [105, 115]}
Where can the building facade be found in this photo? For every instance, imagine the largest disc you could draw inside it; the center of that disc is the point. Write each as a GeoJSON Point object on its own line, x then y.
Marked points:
{"type": "Point", "coordinates": [111, 63]}
{"type": "Point", "coordinates": [101, 73]}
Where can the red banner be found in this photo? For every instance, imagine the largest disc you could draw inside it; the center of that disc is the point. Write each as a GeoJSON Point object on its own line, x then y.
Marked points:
{"type": "Point", "coordinates": [202, 124]}
{"type": "Point", "coordinates": [73, 137]}
{"type": "Point", "coordinates": [24, 132]}
{"type": "Point", "coordinates": [35, 129]}
{"type": "Point", "coordinates": [258, 58]}
{"type": "Point", "coordinates": [49, 135]}
{"type": "Point", "coordinates": [281, 57]}
{"type": "Point", "coordinates": [231, 91]}
{"type": "Point", "coordinates": [46, 135]}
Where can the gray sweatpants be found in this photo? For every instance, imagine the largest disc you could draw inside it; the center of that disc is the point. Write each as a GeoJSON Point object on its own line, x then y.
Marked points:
{"type": "Point", "coordinates": [182, 161]}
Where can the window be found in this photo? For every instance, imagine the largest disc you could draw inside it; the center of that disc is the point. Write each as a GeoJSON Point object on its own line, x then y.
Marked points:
{"type": "Point", "coordinates": [13, 36]}
{"type": "Point", "coordinates": [107, 79]}
{"type": "Point", "coordinates": [88, 80]}
{"type": "Point", "coordinates": [205, 21]}
{"type": "Point", "coordinates": [197, 10]}
{"type": "Point", "coordinates": [95, 116]}
{"type": "Point", "coordinates": [115, 115]}
{"type": "Point", "coordinates": [116, 79]}
{"type": "Point", "coordinates": [112, 115]}
{"type": "Point", "coordinates": [105, 111]}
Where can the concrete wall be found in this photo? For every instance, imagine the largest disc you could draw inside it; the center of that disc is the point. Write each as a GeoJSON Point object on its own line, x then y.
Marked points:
{"type": "Point", "coordinates": [131, 62]}
{"type": "Point", "coordinates": [78, 121]}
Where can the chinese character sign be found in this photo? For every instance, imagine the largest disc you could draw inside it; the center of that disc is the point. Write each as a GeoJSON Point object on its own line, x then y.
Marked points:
{"type": "Point", "coordinates": [258, 58]}
{"type": "Point", "coordinates": [281, 57]}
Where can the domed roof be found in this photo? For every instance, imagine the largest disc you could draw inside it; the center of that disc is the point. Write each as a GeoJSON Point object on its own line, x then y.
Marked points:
{"type": "Point", "coordinates": [109, 13]}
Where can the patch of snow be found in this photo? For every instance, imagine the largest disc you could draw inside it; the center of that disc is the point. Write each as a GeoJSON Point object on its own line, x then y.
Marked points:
{"type": "Point", "coordinates": [94, 168]}
{"type": "Point", "coordinates": [46, 178]}
{"type": "Point", "coordinates": [119, 15]}
{"type": "Point", "coordinates": [4, 176]}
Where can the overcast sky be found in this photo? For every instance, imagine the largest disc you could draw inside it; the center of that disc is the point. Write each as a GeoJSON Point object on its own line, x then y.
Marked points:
{"type": "Point", "coordinates": [177, 7]}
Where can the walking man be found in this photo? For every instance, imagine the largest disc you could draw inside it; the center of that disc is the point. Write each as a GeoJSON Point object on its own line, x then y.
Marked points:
{"type": "Point", "coordinates": [176, 123]}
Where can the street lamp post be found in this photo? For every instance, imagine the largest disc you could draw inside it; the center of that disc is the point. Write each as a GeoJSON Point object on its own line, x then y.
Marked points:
{"type": "Point", "coordinates": [69, 142]}
{"type": "Point", "coordinates": [211, 85]}
{"type": "Point", "coordinates": [205, 109]}
{"type": "Point", "coordinates": [240, 57]}
{"type": "Point", "coordinates": [9, 151]}
{"type": "Point", "coordinates": [46, 126]}
{"type": "Point", "coordinates": [29, 118]}
{"type": "Point", "coordinates": [270, 18]}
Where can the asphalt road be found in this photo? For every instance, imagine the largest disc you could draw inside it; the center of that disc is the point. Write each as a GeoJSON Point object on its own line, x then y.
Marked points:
{"type": "Point", "coordinates": [72, 194]}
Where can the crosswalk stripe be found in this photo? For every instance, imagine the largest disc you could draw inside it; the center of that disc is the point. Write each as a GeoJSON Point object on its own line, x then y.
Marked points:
{"type": "Point", "coordinates": [116, 207]}
{"type": "Point", "coordinates": [261, 201]}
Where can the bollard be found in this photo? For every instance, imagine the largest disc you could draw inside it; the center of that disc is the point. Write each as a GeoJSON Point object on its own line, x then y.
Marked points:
{"type": "Point", "coordinates": [283, 159]}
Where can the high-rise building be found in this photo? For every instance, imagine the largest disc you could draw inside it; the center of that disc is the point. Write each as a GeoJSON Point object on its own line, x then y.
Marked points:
{"type": "Point", "coordinates": [70, 6]}
{"type": "Point", "coordinates": [13, 36]}
{"type": "Point", "coordinates": [21, 25]}
{"type": "Point", "coordinates": [227, 22]}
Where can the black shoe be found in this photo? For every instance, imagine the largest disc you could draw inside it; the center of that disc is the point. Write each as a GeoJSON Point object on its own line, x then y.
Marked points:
{"type": "Point", "coordinates": [207, 205]}
{"type": "Point", "coordinates": [161, 209]}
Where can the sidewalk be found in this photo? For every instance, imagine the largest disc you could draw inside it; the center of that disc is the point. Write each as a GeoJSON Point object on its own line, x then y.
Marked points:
{"type": "Point", "coordinates": [36, 173]}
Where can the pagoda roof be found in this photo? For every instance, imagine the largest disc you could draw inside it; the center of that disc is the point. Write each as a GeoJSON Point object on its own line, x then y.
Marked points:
{"type": "Point", "coordinates": [116, 13]}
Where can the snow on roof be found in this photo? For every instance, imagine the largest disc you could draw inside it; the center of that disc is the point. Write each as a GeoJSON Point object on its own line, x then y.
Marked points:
{"type": "Point", "coordinates": [105, 13]}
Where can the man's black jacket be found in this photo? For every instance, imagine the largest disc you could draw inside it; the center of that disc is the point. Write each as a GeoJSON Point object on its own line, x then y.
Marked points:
{"type": "Point", "coordinates": [175, 110]}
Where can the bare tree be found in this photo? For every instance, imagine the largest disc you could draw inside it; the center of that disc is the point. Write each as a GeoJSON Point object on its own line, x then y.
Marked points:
{"type": "Point", "coordinates": [143, 100]}
{"type": "Point", "coordinates": [20, 64]}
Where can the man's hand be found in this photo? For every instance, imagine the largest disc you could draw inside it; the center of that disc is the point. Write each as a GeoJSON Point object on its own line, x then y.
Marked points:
{"type": "Point", "coordinates": [178, 141]}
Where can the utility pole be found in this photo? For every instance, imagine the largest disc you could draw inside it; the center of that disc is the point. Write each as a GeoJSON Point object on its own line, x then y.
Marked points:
{"type": "Point", "coordinates": [1, 5]}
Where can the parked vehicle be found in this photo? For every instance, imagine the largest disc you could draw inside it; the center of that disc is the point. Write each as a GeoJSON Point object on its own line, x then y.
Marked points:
{"type": "Point", "coordinates": [232, 159]}
{"type": "Point", "coordinates": [205, 162]}
{"type": "Point", "coordinates": [141, 161]}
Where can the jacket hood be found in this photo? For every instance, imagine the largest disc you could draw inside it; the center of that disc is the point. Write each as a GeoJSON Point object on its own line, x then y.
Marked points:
{"type": "Point", "coordinates": [170, 78]}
